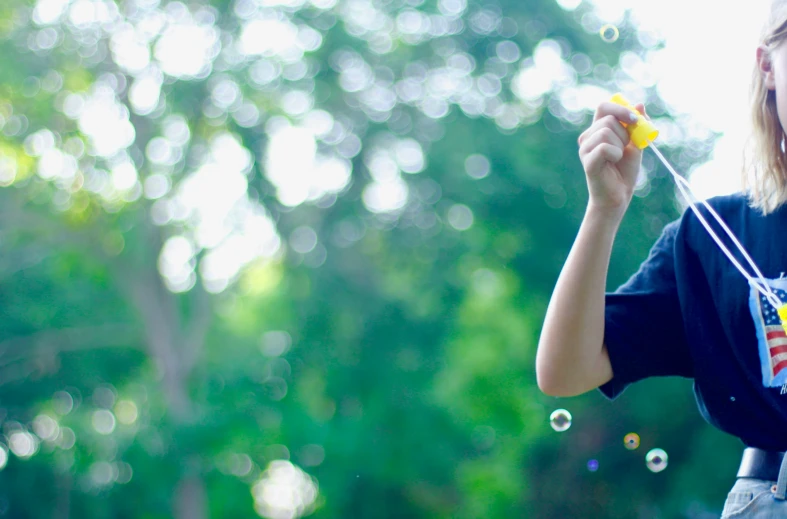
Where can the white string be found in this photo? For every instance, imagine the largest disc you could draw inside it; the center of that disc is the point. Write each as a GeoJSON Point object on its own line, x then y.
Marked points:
{"type": "Point", "coordinates": [760, 284]}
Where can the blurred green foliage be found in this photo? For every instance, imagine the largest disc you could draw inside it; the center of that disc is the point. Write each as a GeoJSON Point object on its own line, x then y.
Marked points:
{"type": "Point", "coordinates": [370, 361]}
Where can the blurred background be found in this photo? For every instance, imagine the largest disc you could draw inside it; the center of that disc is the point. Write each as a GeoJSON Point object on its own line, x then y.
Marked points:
{"type": "Point", "coordinates": [279, 258]}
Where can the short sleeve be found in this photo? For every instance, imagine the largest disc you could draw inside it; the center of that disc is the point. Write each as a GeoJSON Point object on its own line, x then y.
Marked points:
{"type": "Point", "coordinates": [643, 325]}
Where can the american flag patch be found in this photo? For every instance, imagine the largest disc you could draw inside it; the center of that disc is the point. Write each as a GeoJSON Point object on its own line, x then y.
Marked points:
{"type": "Point", "coordinates": [771, 337]}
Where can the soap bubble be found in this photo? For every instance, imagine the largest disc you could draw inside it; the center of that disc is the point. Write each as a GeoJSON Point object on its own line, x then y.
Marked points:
{"type": "Point", "coordinates": [592, 465]}
{"type": "Point", "coordinates": [560, 420]}
{"type": "Point", "coordinates": [631, 441]}
{"type": "Point", "coordinates": [609, 33]}
{"type": "Point", "coordinates": [656, 460]}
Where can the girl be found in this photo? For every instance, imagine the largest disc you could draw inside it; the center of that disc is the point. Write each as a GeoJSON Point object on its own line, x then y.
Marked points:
{"type": "Point", "coordinates": [687, 311]}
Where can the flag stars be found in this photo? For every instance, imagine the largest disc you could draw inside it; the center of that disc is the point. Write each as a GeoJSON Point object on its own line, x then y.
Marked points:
{"type": "Point", "coordinates": [769, 314]}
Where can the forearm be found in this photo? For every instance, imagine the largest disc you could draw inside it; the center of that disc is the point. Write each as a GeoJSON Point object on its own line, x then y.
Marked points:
{"type": "Point", "coordinates": [569, 358]}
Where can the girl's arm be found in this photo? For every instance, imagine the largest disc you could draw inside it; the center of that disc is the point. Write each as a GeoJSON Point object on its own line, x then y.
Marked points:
{"type": "Point", "coordinates": [571, 357]}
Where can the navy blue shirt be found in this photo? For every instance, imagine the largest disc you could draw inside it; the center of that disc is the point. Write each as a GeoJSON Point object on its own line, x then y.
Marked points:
{"type": "Point", "coordinates": [689, 312]}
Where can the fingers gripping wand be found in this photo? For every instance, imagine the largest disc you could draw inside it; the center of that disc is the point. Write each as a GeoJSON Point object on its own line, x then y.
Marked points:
{"type": "Point", "coordinates": [642, 134]}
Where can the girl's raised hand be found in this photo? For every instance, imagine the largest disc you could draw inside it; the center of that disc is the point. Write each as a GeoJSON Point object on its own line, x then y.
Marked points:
{"type": "Point", "coordinates": [610, 160]}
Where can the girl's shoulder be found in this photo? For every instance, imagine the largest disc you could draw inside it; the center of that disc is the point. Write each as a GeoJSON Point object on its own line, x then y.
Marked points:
{"type": "Point", "coordinates": [735, 210]}
{"type": "Point", "coordinates": [738, 201]}
{"type": "Point", "coordinates": [731, 207]}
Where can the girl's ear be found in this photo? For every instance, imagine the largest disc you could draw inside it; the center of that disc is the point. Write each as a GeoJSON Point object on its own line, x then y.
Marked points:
{"type": "Point", "coordinates": [766, 67]}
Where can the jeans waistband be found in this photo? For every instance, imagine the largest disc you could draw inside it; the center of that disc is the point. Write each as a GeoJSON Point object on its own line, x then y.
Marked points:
{"type": "Point", "coordinates": [760, 464]}
{"type": "Point", "coordinates": [767, 465]}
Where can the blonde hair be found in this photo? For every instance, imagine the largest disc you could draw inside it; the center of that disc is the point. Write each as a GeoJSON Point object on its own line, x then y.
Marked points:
{"type": "Point", "coordinates": [765, 161]}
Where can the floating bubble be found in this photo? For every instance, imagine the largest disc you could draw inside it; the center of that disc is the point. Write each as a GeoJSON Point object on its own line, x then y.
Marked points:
{"type": "Point", "coordinates": [656, 460]}
{"type": "Point", "coordinates": [631, 441]}
{"type": "Point", "coordinates": [609, 33]}
{"type": "Point", "coordinates": [592, 465]}
{"type": "Point", "coordinates": [560, 420]}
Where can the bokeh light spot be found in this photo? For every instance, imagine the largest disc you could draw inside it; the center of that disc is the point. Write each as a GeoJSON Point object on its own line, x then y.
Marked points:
{"type": "Point", "coordinates": [46, 427]}
{"type": "Point", "coordinates": [275, 343]}
{"type": "Point", "coordinates": [67, 438]}
{"type": "Point", "coordinates": [63, 402]}
{"type": "Point", "coordinates": [477, 166]}
{"type": "Point", "coordinates": [303, 239]}
{"type": "Point", "coordinates": [311, 455]}
{"type": "Point", "coordinates": [126, 412]}
{"type": "Point", "coordinates": [460, 217]}
{"type": "Point", "coordinates": [103, 421]}
{"type": "Point", "coordinates": [23, 444]}
{"type": "Point", "coordinates": [284, 491]}
{"type": "Point", "coordinates": [298, 171]}
{"type": "Point", "coordinates": [102, 473]}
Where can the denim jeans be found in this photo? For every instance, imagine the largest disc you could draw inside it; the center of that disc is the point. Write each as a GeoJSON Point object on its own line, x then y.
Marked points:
{"type": "Point", "coordinates": [758, 498]}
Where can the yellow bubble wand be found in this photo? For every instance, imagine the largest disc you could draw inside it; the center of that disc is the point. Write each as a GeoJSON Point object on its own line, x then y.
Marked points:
{"type": "Point", "coordinates": [642, 134]}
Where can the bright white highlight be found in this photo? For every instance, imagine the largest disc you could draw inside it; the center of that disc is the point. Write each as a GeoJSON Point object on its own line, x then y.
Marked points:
{"type": "Point", "coordinates": [103, 421]}
{"type": "Point", "coordinates": [703, 80]}
{"type": "Point", "coordinates": [299, 173]}
{"type": "Point", "coordinates": [23, 444]}
{"type": "Point", "coordinates": [103, 120]}
{"type": "Point", "coordinates": [284, 491]}
{"type": "Point", "coordinates": [187, 49]}
{"type": "Point", "coordinates": [213, 201]}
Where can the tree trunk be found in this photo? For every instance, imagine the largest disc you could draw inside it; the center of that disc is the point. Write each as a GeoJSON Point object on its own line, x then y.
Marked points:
{"type": "Point", "coordinates": [190, 498]}
{"type": "Point", "coordinates": [63, 507]}
{"type": "Point", "coordinates": [175, 344]}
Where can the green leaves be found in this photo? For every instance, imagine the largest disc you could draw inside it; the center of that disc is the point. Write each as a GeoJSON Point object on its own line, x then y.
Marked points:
{"type": "Point", "coordinates": [303, 240]}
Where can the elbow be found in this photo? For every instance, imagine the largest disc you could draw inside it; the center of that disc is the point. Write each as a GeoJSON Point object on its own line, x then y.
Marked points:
{"type": "Point", "coordinates": [556, 388]}
{"type": "Point", "coordinates": [572, 377]}
{"type": "Point", "coordinates": [545, 384]}
{"type": "Point", "coordinates": [552, 384]}
{"type": "Point", "coordinates": [547, 388]}
{"type": "Point", "coordinates": [557, 382]}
